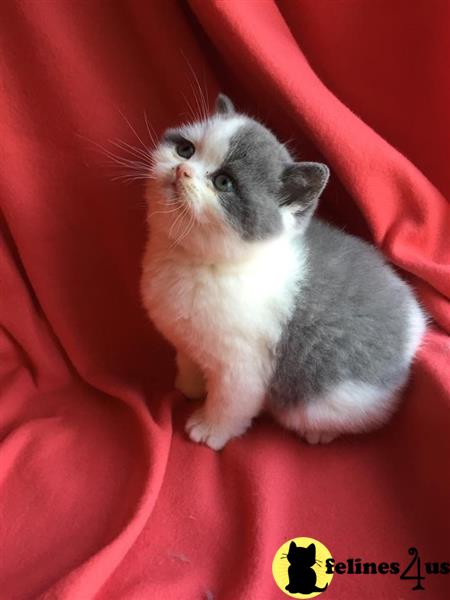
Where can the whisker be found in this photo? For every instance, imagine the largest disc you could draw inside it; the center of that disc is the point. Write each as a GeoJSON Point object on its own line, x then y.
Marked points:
{"type": "Point", "coordinates": [191, 111]}
{"type": "Point", "coordinates": [134, 165]}
{"type": "Point", "coordinates": [170, 204]}
{"type": "Point", "coordinates": [122, 161]}
{"type": "Point", "coordinates": [206, 87]}
{"type": "Point", "coordinates": [175, 242]}
{"type": "Point", "coordinates": [202, 97]}
{"type": "Point", "coordinates": [164, 212]}
{"type": "Point", "coordinates": [203, 109]}
{"type": "Point", "coordinates": [132, 128]}
{"type": "Point", "coordinates": [134, 170]}
{"type": "Point", "coordinates": [180, 216]}
{"type": "Point", "coordinates": [188, 229]}
{"type": "Point", "coordinates": [151, 132]}
{"type": "Point", "coordinates": [198, 112]}
{"type": "Point", "coordinates": [130, 170]}
{"type": "Point", "coordinates": [137, 152]}
{"type": "Point", "coordinates": [130, 178]}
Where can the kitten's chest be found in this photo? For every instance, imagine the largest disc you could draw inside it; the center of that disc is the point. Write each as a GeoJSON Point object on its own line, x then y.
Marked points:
{"type": "Point", "coordinates": [203, 298]}
{"type": "Point", "coordinates": [220, 313]}
{"type": "Point", "coordinates": [215, 306]}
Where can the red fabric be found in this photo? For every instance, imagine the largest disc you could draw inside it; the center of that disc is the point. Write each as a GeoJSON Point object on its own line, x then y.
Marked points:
{"type": "Point", "coordinates": [101, 494]}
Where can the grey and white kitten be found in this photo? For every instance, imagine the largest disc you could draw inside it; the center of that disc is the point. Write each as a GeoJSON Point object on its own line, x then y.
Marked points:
{"type": "Point", "coordinates": [267, 306]}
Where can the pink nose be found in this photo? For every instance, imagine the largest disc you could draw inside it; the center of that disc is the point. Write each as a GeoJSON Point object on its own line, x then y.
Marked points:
{"type": "Point", "coordinates": [183, 170]}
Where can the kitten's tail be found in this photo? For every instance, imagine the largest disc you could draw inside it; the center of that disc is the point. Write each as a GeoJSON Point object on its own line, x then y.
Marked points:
{"type": "Point", "coordinates": [317, 589]}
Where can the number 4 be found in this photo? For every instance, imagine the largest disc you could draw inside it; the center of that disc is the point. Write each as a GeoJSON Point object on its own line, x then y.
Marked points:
{"type": "Point", "coordinates": [416, 559]}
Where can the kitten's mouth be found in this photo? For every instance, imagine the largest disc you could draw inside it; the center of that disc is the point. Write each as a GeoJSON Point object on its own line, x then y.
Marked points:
{"type": "Point", "coordinates": [178, 191]}
{"type": "Point", "coordinates": [177, 185]}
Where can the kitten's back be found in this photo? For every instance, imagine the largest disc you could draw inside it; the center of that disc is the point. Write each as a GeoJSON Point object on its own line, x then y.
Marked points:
{"type": "Point", "coordinates": [350, 323]}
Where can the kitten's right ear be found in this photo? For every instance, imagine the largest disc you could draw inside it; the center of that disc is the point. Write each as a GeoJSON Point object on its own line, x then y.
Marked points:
{"type": "Point", "coordinates": [224, 106]}
{"type": "Point", "coordinates": [302, 184]}
{"type": "Point", "coordinates": [293, 546]}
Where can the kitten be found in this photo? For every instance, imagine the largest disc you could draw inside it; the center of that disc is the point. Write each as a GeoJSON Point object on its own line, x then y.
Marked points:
{"type": "Point", "coordinates": [302, 577]}
{"type": "Point", "coordinates": [267, 306]}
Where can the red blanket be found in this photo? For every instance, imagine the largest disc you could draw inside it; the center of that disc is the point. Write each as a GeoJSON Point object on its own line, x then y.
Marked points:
{"type": "Point", "coordinates": [101, 494]}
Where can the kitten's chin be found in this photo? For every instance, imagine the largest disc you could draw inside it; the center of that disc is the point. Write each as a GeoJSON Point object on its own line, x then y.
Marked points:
{"type": "Point", "coordinates": [210, 245]}
{"type": "Point", "coordinates": [173, 194]}
{"type": "Point", "coordinates": [201, 235]}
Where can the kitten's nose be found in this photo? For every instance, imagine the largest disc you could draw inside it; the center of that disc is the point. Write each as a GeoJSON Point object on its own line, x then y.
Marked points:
{"type": "Point", "coordinates": [183, 170]}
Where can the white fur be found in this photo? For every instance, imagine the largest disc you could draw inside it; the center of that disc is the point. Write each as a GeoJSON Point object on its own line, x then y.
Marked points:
{"type": "Point", "coordinates": [198, 226]}
{"type": "Point", "coordinates": [189, 380]}
{"type": "Point", "coordinates": [211, 139]}
{"type": "Point", "coordinates": [416, 330]}
{"type": "Point", "coordinates": [227, 317]}
{"type": "Point", "coordinates": [349, 407]}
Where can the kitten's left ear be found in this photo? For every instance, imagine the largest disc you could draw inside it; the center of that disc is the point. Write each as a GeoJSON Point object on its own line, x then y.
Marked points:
{"type": "Point", "coordinates": [224, 106]}
{"type": "Point", "coordinates": [302, 184]}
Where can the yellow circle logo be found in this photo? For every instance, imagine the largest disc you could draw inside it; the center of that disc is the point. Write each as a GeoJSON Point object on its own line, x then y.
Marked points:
{"type": "Point", "coordinates": [300, 568]}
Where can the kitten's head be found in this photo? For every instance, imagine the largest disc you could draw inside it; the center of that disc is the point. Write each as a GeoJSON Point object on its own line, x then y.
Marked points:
{"type": "Point", "coordinates": [302, 557]}
{"type": "Point", "coordinates": [226, 183]}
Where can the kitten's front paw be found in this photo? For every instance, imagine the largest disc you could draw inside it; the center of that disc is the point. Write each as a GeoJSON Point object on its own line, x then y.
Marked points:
{"type": "Point", "coordinates": [319, 437]}
{"type": "Point", "coordinates": [214, 435]}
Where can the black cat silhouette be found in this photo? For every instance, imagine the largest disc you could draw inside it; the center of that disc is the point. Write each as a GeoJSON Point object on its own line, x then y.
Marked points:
{"type": "Point", "coordinates": [302, 577]}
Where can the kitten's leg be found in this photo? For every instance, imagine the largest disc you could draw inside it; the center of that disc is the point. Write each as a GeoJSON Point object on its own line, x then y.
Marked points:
{"type": "Point", "coordinates": [349, 407]}
{"type": "Point", "coordinates": [294, 419]}
{"type": "Point", "coordinates": [189, 380]}
{"type": "Point", "coordinates": [234, 398]}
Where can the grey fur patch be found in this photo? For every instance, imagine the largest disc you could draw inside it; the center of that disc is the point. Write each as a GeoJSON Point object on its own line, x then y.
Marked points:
{"type": "Point", "coordinates": [265, 178]}
{"type": "Point", "coordinates": [349, 323]}
{"type": "Point", "coordinates": [255, 161]}
{"type": "Point", "coordinates": [173, 136]}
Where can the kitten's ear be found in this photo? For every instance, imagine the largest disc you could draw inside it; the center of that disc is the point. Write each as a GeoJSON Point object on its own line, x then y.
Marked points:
{"type": "Point", "coordinates": [292, 546]}
{"type": "Point", "coordinates": [224, 106]}
{"type": "Point", "coordinates": [312, 550]}
{"type": "Point", "coordinates": [302, 184]}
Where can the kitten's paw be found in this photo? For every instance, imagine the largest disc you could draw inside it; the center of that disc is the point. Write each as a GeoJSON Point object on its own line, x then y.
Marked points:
{"type": "Point", "coordinates": [214, 435]}
{"type": "Point", "coordinates": [192, 386]}
{"type": "Point", "coordinates": [319, 437]}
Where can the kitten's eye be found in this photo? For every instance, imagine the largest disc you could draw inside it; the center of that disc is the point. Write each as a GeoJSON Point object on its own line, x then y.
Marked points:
{"type": "Point", "coordinates": [185, 149]}
{"type": "Point", "coordinates": [223, 183]}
